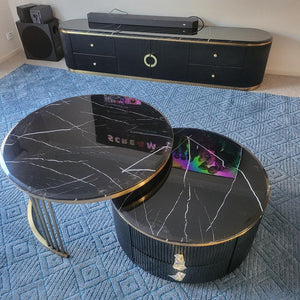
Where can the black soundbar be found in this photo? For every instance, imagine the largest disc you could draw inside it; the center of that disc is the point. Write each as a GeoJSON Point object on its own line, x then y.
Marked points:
{"type": "Point", "coordinates": [143, 20]}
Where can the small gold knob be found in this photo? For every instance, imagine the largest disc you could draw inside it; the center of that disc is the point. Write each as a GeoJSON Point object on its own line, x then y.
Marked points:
{"type": "Point", "coordinates": [213, 75]}
{"type": "Point", "coordinates": [94, 64]}
{"type": "Point", "coordinates": [92, 45]}
{"type": "Point", "coordinates": [215, 55]}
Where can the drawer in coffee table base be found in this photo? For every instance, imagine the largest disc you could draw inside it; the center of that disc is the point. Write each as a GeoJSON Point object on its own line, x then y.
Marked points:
{"type": "Point", "coordinates": [181, 262]}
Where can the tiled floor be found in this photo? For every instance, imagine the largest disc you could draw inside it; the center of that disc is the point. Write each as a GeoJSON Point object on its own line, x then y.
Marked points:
{"type": "Point", "coordinates": [273, 84]}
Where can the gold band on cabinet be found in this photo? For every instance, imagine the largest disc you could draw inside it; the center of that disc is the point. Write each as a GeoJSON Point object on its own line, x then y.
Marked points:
{"type": "Point", "coordinates": [164, 39]}
{"type": "Point", "coordinates": [166, 81]}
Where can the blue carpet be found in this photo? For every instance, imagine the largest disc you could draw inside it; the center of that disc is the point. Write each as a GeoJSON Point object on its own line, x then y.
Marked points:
{"type": "Point", "coordinates": [266, 124]}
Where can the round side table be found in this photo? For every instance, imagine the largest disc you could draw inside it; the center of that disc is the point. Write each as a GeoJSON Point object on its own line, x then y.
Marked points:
{"type": "Point", "coordinates": [83, 149]}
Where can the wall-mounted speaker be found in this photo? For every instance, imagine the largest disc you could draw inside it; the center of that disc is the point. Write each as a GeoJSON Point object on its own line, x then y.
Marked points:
{"type": "Point", "coordinates": [41, 41]}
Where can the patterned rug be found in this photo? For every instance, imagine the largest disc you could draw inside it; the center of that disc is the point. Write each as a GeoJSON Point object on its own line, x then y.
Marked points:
{"type": "Point", "coordinates": [266, 124]}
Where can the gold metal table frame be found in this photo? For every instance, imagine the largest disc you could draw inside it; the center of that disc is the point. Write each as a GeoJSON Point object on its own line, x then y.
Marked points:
{"type": "Point", "coordinates": [41, 215]}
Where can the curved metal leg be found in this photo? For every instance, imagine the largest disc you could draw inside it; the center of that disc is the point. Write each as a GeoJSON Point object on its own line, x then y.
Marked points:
{"type": "Point", "coordinates": [39, 217]}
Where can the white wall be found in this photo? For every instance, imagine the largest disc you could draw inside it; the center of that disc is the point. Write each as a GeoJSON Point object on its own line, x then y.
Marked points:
{"type": "Point", "coordinates": [7, 47]}
{"type": "Point", "coordinates": [279, 17]}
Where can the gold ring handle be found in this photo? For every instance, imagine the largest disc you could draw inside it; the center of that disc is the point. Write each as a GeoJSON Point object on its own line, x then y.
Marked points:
{"type": "Point", "coordinates": [151, 56]}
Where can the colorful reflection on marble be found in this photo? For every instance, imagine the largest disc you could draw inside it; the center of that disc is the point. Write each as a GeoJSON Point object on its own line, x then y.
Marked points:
{"type": "Point", "coordinates": [204, 158]}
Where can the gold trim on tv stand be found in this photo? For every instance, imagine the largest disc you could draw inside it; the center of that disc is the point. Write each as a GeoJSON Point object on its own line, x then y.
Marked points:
{"type": "Point", "coordinates": [165, 81]}
{"type": "Point", "coordinates": [168, 39]}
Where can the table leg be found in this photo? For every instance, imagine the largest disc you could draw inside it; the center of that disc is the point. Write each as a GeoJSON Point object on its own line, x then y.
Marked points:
{"type": "Point", "coordinates": [42, 217]}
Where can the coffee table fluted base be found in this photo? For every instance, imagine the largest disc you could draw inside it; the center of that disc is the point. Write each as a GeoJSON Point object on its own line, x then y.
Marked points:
{"type": "Point", "coordinates": [182, 263]}
{"type": "Point", "coordinates": [43, 224]}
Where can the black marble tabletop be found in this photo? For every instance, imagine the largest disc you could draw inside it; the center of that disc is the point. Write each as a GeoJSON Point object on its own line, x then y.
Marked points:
{"type": "Point", "coordinates": [217, 34]}
{"type": "Point", "coordinates": [87, 148]}
{"type": "Point", "coordinates": [214, 191]}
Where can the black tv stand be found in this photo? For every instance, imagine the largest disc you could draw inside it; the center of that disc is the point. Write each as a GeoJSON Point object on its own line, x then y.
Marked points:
{"type": "Point", "coordinates": [222, 56]}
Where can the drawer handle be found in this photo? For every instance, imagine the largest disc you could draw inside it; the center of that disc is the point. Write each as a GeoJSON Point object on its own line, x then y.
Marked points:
{"type": "Point", "coordinates": [149, 64]}
{"type": "Point", "coordinates": [94, 64]}
{"type": "Point", "coordinates": [215, 55]}
{"type": "Point", "coordinates": [213, 75]}
{"type": "Point", "coordinates": [92, 45]}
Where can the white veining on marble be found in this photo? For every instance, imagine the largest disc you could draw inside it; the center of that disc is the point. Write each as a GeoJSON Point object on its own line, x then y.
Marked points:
{"type": "Point", "coordinates": [148, 133]}
{"type": "Point", "coordinates": [125, 199]}
{"type": "Point", "coordinates": [222, 204]}
{"type": "Point", "coordinates": [66, 121]}
{"type": "Point", "coordinates": [40, 142]}
{"type": "Point", "coordinates": [100, 172]}
{"type": "Point", "coordinates": [258, 201]}
{"type": "Point", "coordinates": [146, 217]}
{"type": "Point", "coordinates": [45, 132]}
{"type": "Point", "coordinates": [228, 192]}
{"type": "Point", "coordinates": [55, 160]}
{"type": "Point", "coordinates": [185, 214]}
{"type": "Point", "coordinates": [206, 212]}
{"type": "Point", "coordinates": [189, 161]}
{"type": "Point", "coordinates": [71, 191]}
{"type": "Point", "coordinates": [210, 152]}
{"type": "Point", "coordinates": [83, 162]}
{"type": "Point", "coordinates": [140, 170]}
{"type": "Point", "coordinates": [230, 189]}
{"type": "Point", "coordinates": [200, 228]}
{"type": "Point", "coordinates": [147, 156]}
{"type": "Point", "coordinates": [172, 209]}
{"type": "Point", "coordinates": [52, 170]}
{"type": "Point", "coordinates": [179, 145]}
{"type": "Point", "coordinates": [59, 103]}
{"type": "Point", "coordinates": [63, 184]}
{"type": "Point", "coordinates": [104, 117]}
{"type": "Point", "coordinates": [184, 184]}
{"type": "Point", "coordinates": [131, 174]}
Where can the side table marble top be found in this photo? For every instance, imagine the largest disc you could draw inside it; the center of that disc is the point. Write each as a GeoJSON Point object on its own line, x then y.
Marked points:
{"type": "Point", "coordinates": [87, 148]}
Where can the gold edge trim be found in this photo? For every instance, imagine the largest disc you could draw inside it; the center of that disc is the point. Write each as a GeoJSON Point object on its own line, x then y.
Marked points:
{"type": "Point", "coordinates": [251, 88]}
{"type": "Point", "coordinates": [3, 144]}
{"type": "Point", "coordinates": [164, 39]}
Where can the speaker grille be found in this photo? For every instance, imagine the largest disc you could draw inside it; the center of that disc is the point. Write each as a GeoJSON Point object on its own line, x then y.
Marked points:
{"type": "Point", "coordinates": [36, 42]}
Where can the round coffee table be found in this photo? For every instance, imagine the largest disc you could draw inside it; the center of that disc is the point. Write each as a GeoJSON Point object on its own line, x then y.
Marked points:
{"type": "Point", "coordinates": [83, 149]}
{"type": "Point", "coordinates": [195, 221]}
{"type": "Point", "coordinates": [186, 202]}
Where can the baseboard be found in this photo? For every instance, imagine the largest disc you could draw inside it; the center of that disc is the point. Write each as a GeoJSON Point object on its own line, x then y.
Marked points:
{"type": "Point", "coordinates": [282, 73]}
{"type": "Point", "coordinates": [10, 55]}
